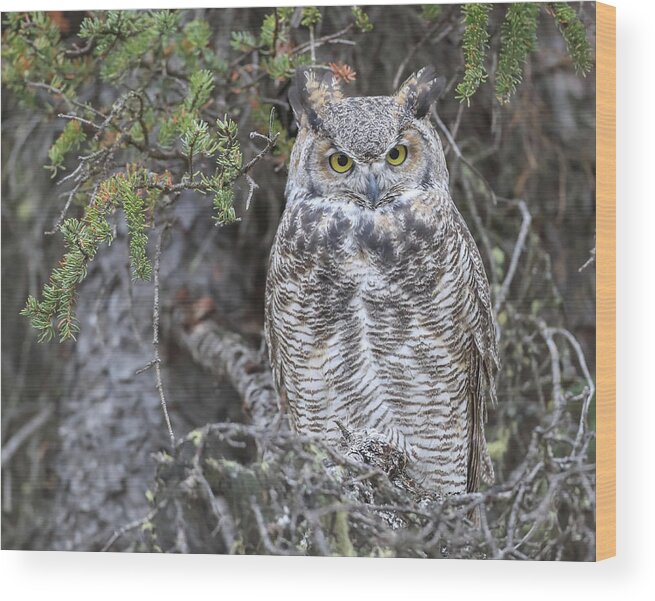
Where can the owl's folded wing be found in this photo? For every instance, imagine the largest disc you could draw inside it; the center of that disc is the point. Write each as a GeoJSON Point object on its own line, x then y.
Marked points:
{"type": "Point", "coordinates": [483, 355]}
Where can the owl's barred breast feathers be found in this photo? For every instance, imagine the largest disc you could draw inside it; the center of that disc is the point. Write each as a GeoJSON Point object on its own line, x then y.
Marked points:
{"type": "Point", "coordinates": [378, 312]}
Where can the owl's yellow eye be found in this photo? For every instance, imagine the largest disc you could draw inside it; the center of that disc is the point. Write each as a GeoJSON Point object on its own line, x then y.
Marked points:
{"type": "Point", "coordinates": [340, 162]}
{"type": "Point", "coordinates": [397, 155]}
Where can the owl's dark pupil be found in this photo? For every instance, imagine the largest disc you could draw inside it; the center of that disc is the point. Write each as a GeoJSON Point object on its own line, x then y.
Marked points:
{"type": "Point", "coordinates": [342, 160]}
{"type": "Point", "coordinates": [394, 153]}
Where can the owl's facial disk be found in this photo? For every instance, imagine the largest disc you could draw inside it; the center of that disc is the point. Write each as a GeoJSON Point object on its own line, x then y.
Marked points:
{"type": "Point", "coordinates": [375, 181]}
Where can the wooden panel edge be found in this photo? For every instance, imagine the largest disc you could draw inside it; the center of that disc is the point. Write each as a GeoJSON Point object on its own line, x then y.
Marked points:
{"type": "Point", "coordinates": [605, 281]}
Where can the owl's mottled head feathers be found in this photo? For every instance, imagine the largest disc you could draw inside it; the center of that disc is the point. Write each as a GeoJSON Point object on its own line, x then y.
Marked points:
{"type": "Point", "coordinates": [315, 97]}
{"type": "Point", "coordinates": [368, 149]}
{"type": "Point", "coordinates": [419, 91]}
{"type": "Point", "coordinates": [311, 95]}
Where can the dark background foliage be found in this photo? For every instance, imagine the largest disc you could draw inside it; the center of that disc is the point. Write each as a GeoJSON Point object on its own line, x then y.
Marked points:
{"type": "Point", "coordinates": [81, 431]}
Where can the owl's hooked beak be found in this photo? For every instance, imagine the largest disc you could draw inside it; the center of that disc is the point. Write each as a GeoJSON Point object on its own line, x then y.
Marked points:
{"type": "Point", "coordinates": [372, 190]}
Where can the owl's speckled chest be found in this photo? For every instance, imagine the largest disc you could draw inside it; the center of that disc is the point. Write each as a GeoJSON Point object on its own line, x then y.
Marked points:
{"type": "Point", "coordinates": [341, 243]}
{"type": "Point", "coordinates": [354, 313]}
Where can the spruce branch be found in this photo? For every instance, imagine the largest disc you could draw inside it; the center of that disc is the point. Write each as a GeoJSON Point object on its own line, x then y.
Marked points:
{"type": "Point", "coordinates": [430, 12]}
{"type": "Point", "coordinates": [70, 139]}
{"type": "Point", "coordinates": [574, 34]}
{"type": "Point", "coordinates": [201, 86]}
{"type": "Point", "coordinates": [475, 44]}
{"type": "Point", "coordinates": [518, 40]}
{"type": "Point", "coordinates": [135, 209]}
{"type": "Point", "coordinates": [362, 21]}
{"type": "Point", "coordinates": [122, 144]}
{"type": "Point", "coordinates": [56, 311]}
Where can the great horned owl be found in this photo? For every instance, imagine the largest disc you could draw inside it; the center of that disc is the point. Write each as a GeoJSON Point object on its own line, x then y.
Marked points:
{"type": "Point", "coordinates": [378, 312]}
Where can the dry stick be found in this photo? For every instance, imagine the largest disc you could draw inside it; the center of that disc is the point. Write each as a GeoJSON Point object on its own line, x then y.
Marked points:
{"type": "Point", "coordinates": [270, 142]}
{"type": "Point", "coordinates": [513, 517]}
{"type": "Point", "coordinates": [181, 543]}
{"type": "Point", "coordinates": [324, 40]}
{"type": "Point", "coordinates": [155, 338]}
{"type": "Point", "coordinates": [318, 536]}
{"type": "Point", "coordinates": [263, 532]}
{"type": "Point", "coordinates": [70, 101]}
{"type": "Point", "coordinates": [155, 335]}
{"type": "Point", "coordinates": [590, 260]}
{"type": "Point", "coordinates": [75, 174]}
{"type": "Point", "coordinates": [252, 186]}
{"type": "Point", "coordinates": [227, 354]}
{"type": "Point", "coordinates": [226, 523]}
{"type": "Point", "coordinates": [591, 389]}
{"type": "Point", "coordinates": [80, 119]}
{"type": "Point", "coordinates": [219, 507]}
{"type": "Point", "coordinates": [61, 216]}
{"type": "Point", "coordinates": [413, 50]}
{"type": "Point", "coordinates": [76, 50]}
{"type": "Point", "coordinates": [489, 538]}
{"type": "Point", "coordinates": [131, 526]}
{"type": "Point", "coordinates": [312, 44]}
{"type": "Point", "coordinates": [15, 442]}
{"type": "Point", "coordinates": [556, 371]}
{"type": "Point", "coordinates": [460, 156]}
{"type": "Point", "coordinates": [78, 176]}
{"type": "Point", "coordinates": [458, 119]}
{"type": "Point", "coordinates": [518, 249]}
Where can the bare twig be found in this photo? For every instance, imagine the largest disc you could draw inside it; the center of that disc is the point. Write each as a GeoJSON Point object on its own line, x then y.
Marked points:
{"type": "Point", "coordinates": [263, 532]}
{"type": "Point", "coordinates": [460, 156]}
{"type": "Point", "coordinates": [482, 231]}
{"type": "Point", "coordinates": [312, 44]}
{"type": "Point", "coordinates": [155, 335]}
{"type": "Point", "coordinates": [270, 143]}
{"type": "Point", "coordinates": [412, 51]}
{"type": "Point", "coordinates": [252, 186]}
{"type": "Point", "coordinates": [77, 51]}
{"type": "Point", "coordinates": [323, 40]}
{"type": "Point", "coordinates": [227, 354]}
{"type": "Point", "coordinates": [23, 433]}
{"type": "Point", "coordinates": [518, 249]}
{"type": "Point", "coordinates": [80, 119]}
{"type": "Point", "coordinates": [69, 101]}
{"type": "Point", "coordinates": [591, 388]}
{"type": "Point", "coordinates": [60, 218]}
{"type": "Point", "coordinates": [131, 526]}
{"type": "Point", "coordinates": [181, 543]}
{"type": "Point", "coordinates": [589, 261]}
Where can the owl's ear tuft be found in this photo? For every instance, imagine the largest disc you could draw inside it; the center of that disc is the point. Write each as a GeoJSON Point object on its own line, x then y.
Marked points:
{"type": "Point", "coordinates": [420, 90]}
{"type": "Point", "coordinates": [310, 95]}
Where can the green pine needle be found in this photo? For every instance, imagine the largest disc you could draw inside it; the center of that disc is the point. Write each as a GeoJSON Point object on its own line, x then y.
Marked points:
{"type": "Point", "coordinates": [574, 34]}
{"type": "Point", "coordinates": [518, 40]}
{"type": "Point", "coordinates": [475, 44]}
{"type": "Point", "coordinates": [431, 11]}
{"type": "Point", "coordinates": [362, 21]}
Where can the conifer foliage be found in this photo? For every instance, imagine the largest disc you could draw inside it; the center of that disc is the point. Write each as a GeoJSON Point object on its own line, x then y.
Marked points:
{"type": "Point", "coordinates": [149, 125]}
{"type": "Point", "coordinates": [158, 130]}
{"type": "Point", "coordinates": [518, 38]}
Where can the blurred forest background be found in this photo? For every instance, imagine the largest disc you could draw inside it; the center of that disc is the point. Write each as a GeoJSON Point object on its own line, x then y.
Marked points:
{"type": "Point", "coordinates": [163, 214]}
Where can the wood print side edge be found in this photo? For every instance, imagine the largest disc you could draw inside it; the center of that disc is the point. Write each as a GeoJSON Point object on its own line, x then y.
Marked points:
{"type": "Point", "coordinates": [606, 281]}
